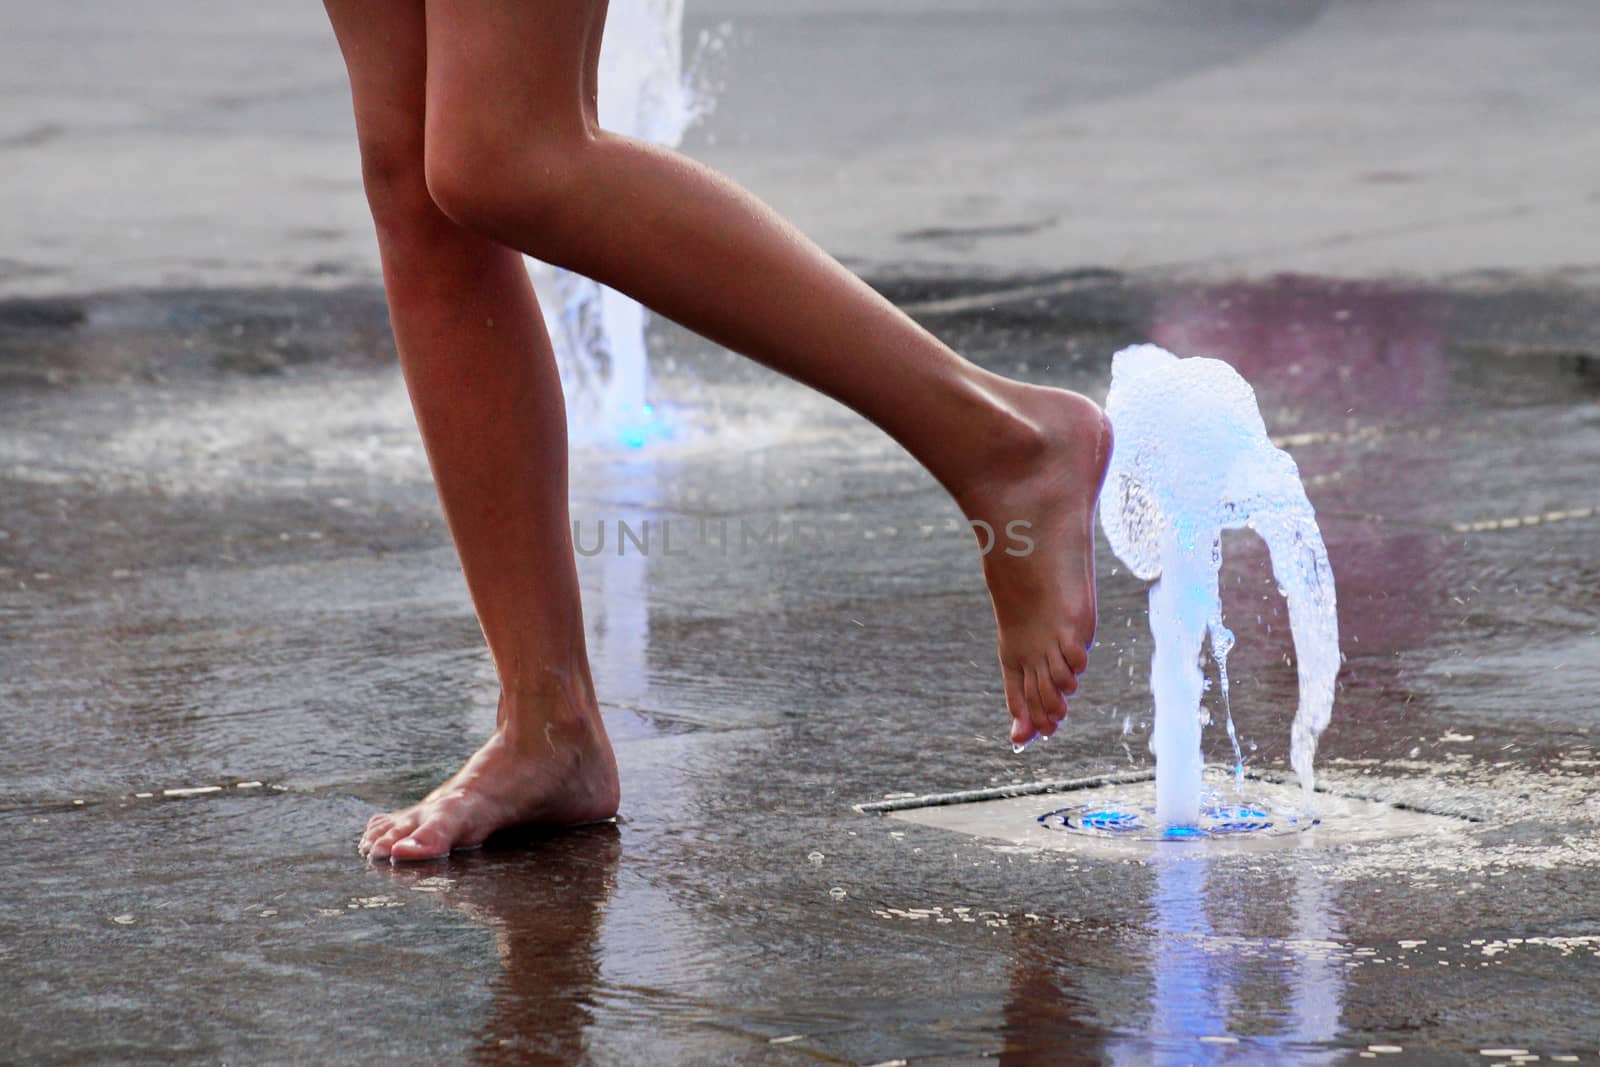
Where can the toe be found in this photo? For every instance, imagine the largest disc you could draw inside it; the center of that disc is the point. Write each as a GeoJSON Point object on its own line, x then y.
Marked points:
{"type": "Point", "coordinates": [377, 826]}
{"type": "Point", "coordinates": [379, 849]}
{"type": "Point", "coordinates": [1074, 655]}
{"type": "Point", "coordinates": [429, 841]}
{"type": "Point", "coordinates": [1053, 694]}
{"type": "Point", "coordinates": [1017, 703]}
{"type": "Point", "coordinates": [444, 828]}
{"type": "Point", "coordinates": [1038, 703]}
{"type": "Point", "coordinates": [1061, 677]}
{"type": "Point", "coordinates": [384, 842]}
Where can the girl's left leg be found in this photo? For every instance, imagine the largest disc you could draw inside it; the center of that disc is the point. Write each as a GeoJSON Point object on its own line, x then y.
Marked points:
{"type": "Point", "coordinates": [488, 402]}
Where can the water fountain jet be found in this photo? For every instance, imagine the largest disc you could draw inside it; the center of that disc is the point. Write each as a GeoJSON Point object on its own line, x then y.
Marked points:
{"type": "Point", "coordinates": [1192, 459]}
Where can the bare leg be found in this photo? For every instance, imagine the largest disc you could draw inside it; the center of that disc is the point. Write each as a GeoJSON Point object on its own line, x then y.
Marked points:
{"type": "Point", "coordinates": [488, 401]}
{"type": "Point", "coordinates": [513, 152]}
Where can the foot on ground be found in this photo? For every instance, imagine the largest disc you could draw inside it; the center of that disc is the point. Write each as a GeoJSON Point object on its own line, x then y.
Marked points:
{"type": "Point", "coordinates": [1043, 593]}
{"type": "Point", "coordinates": [563, 776]}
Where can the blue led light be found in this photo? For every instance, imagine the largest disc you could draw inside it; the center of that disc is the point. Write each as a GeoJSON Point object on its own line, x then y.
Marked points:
{"type": "Point", "coordinates": [645, 427]}
{"type": "Point", "coordinates": [1139, 823]}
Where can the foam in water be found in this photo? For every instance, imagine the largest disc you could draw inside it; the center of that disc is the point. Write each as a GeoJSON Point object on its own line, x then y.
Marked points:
{"type": "Point", "coordinates": [1192, 459]}
{"type": "Point", "coordinates": [598, 333]}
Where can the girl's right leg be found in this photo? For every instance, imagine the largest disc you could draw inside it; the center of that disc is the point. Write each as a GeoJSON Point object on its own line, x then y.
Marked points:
{"type": "Point", "coordinates": [488, 402]}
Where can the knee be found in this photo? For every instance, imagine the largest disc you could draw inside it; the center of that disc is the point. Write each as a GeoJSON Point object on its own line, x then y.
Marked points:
{"type": "Point", "coordinates": [511, 183]}
{"type": "Point", "coordinates": [428, 258]}
{"type": "Point", "coordinates": [392, 175]}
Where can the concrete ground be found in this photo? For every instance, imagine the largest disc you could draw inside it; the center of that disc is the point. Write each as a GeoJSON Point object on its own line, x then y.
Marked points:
{"type": "Point", "coordinates": [232, 626]}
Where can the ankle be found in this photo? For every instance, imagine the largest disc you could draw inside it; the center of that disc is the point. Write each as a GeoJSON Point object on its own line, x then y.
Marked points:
{"type": "Point", "coordinates": [1011, 440]}
{"type": "Point", "coordinates": [551, 735]}
{"type": "Point", "coordinates": [556, 709]}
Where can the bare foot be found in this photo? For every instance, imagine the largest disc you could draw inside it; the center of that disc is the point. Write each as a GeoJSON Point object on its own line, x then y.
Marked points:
{"type": "Point", "coordinates": [546, 775]}
{"type": "Point", "coordinates": [1043, 593]}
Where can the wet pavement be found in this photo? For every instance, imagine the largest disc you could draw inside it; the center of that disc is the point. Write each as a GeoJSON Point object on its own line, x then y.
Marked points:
{"type": "Point", "coordinates": [221, 564]}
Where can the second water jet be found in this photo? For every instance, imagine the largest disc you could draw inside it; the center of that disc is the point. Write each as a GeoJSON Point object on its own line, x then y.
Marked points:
{"type": "Point", "coordinates": [647, 92]}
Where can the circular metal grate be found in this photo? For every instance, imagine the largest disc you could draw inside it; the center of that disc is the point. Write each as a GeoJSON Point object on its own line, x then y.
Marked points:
{"type": "Point", "coordinates": [1139, 823]}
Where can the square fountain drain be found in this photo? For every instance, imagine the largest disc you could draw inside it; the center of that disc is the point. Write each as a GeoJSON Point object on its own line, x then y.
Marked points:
{"type": "Point", "coordinates": [1114, 816]}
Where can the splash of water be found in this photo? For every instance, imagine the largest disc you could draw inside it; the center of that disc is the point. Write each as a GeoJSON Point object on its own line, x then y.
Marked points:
{"type": "Point", "coordinates": [598, 334]}
{"type": "Point", "coordinates": [1193, 459]}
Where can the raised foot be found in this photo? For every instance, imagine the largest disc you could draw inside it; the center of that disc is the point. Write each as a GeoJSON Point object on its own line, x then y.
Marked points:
{"type": "Point", "coordinates": [1039, 504]}
{"type": "Point", "coordinates": [558, 778]}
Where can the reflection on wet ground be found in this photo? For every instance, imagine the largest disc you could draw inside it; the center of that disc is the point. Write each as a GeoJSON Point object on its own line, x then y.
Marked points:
{"type": "Point", "coordinates": [221, 562]}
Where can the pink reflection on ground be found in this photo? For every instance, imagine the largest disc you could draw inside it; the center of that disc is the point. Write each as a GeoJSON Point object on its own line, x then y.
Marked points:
{"type": "Point", "coordinates": [1329, 350]}
{"type": "Point", "coordinates": [1367, 364]}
